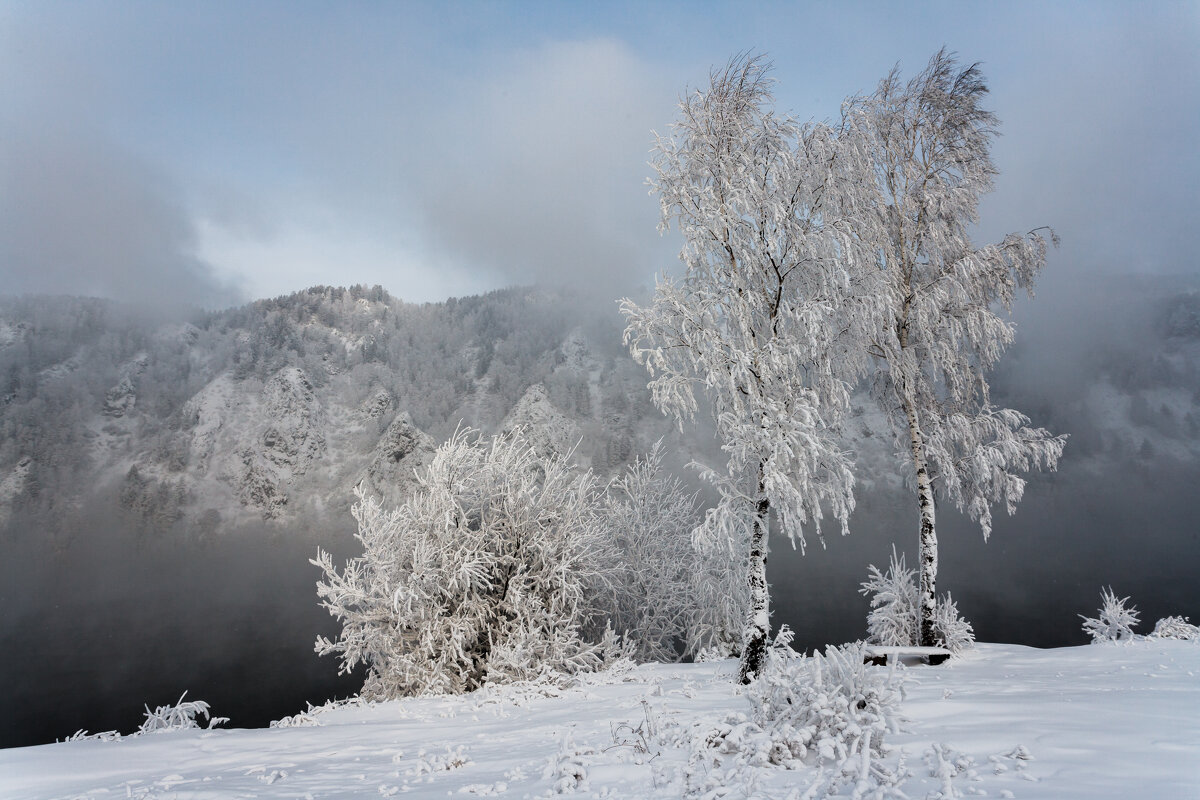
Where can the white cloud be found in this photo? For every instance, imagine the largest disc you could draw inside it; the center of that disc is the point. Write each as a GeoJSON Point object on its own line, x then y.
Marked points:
{"type": "Point", "coordinates": [538, 174]}
{"type": "Point", "coordinates": [79, 215]}
{"type": "Point", "coordinates": [296, 257]}
{"type": "Point", "coordinates": [524, 166]}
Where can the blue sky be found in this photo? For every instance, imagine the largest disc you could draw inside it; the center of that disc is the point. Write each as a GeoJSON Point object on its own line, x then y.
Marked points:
{"type": "Point", "coordinates": [215, 152]}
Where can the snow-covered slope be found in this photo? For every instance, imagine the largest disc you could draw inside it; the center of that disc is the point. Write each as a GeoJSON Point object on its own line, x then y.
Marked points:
{"type": "Point", "coordinates": [1094, 722]}
{"type": "Point", "coordinates": [276, 410]}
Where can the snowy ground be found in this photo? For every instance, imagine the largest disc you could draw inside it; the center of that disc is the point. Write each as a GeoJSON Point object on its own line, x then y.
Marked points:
{"type": "Point", "coordinates": [1102, 721]}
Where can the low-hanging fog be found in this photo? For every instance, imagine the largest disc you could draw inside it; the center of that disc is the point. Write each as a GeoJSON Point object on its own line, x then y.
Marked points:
{"type": "Point", "coordinates": [116, 619]}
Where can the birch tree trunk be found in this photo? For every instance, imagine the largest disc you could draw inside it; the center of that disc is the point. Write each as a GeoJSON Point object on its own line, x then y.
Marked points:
{"type": "Point", "coordinates": [758, 624]}
{"type": "Point", "coordinates": [928, 555]}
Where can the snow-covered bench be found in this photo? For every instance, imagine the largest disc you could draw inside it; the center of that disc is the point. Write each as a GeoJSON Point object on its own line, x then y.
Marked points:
{"type": "Point", "coordinates": [880, 654]}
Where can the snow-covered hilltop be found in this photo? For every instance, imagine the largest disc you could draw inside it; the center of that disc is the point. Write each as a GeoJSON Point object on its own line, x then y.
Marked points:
{"type": "Point", "coordinates": [276, 410]}
{"type": "Point", "coordinates": [1102, 721]}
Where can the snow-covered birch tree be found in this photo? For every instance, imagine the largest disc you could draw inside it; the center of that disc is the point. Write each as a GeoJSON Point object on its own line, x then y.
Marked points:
{"type": "Point", "coordinates": [776, 288]}
{"type": "Point", "coordinates": [929, 144]}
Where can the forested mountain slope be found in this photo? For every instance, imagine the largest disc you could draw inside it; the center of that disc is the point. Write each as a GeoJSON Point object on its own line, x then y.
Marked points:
{"type": "Point", "coordinates": [275, 410]}
{"type": "Point", "coordinates": [163, 485]}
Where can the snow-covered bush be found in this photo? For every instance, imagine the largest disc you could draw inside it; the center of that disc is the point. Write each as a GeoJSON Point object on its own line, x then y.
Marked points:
{"type": "Point", "coordinates": [1176, 628]}
{"type": "Point", "coordinates": [509, 564]}
{"type": "Point", "coordinates": [666, 596]}
{"type": "Point", "coordinates": [431, 763]}
{"type": "Point", "coordinates": [825, 708]}
{"type": "Point", "coordinates": [569, 767]}
{"type": "Point", "coordinates": [310, 717]}
{"type": "Point", "coordinates": [178, 717]}
{"type": "Point", "coordinates": [103, 736]}
{"type": "Point", "coordinates": [953, 632]}
{"type": "Point", "coordinates": [893, 619]}
{"type": "Point", "coordinates": [831, 712]}
{"type": "Point", "coordinates": [1115, 622]}
{"type": "Point", "coordinates": [483, 574]}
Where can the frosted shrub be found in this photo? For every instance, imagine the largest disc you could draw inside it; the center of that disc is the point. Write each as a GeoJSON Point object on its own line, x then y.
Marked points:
{"type": "Point", "coordinates": [103, 736]}
{"type": "Point", "coordinates": [826, 708]}
{"type": "Point", "coordinates": [505, 564]}
{"type": "Point", "coordinates": [178, 717]}
{"type": "Point", "coordinates": [310, 717]}
{"type": "Point", "coordinates": [830, 712]}
{"type": "Point", "coordinates": [1115, 622]}
{"type": "Point", "coordinates": [569, 767]}
{"type": "Point", "coordinates": [667, 597]}
{"type": "Point", "coordinates": [953, 632]}
{"type": "Point", "coordinates": [1176, 628]}
{"type": "Point", "coordinates": [432, 763]}
{"type": "Point", "coordinates": [483, 574]}
{"type": "Point", "coordinates": [893, 620]}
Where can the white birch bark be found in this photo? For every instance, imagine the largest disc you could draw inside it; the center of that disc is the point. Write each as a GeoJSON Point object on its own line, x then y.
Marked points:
{"type": "Point", "coordinates": [928, 560]}
{"type": "Point", "coordinates": [758, 624]}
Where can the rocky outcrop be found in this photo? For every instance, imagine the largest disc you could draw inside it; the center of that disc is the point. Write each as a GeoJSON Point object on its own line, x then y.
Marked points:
{"type": "Point", "coordinates": [548, 430]}
{"type": "Point", "coordinates": [293, 438]}
{"type": "Point", "coordinates": [377, 404]}
{"type": "Point", "coordinates": [402, 449]}
{"type": "Point", "coordinates": [121, 398]}
{"type": "Point", "coordinates": [13, 486]}
{"type": "Point", "coordinates": [288, 439]}
{"type": "Point", "coordinates": [259, 486]}
{"type": "Point", "coordinates": [204, 417]}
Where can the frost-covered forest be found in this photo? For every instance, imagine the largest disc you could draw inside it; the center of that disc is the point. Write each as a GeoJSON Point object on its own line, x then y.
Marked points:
{"type": "Point", "coordinates": [98, 400]}
{"type": "Point", "coordinates": [282, 405]}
